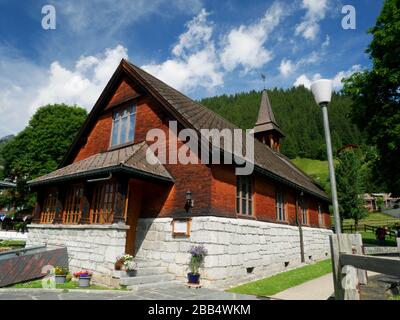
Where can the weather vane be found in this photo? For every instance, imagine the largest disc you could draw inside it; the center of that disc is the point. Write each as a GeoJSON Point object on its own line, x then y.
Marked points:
{"type": "Point", "coordinates": [263, 76]}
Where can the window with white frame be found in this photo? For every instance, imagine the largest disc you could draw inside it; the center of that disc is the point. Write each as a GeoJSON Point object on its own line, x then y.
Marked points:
{"type": "Point", "coordinates": [123, 129]}
{"type": "Point", "coordinates": [244, 195]}
{"type": "Point", "coordinates": [280, 205]}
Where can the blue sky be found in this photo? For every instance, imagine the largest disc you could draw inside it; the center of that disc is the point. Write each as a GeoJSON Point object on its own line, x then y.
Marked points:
{"type": "Point", "coordinates": [200, 47]}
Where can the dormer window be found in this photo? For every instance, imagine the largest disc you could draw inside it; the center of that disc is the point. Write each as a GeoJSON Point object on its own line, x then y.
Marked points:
{"type": "Point", "coordinates": [123, 130]}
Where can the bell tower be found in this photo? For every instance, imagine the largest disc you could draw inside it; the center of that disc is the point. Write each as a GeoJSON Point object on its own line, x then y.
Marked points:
{"type": "Point", "coordinates": [267, 130]}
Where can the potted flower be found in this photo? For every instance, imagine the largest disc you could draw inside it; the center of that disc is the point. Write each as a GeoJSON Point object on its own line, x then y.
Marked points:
{"type": "Point", "coordinates": [60, 274]}
{"type": "Point", "coordinates": [198, 254]}
{"type": "Point", "coordinates": [127, 263]}
{"type": "Point", "coordinates": [84, 277]}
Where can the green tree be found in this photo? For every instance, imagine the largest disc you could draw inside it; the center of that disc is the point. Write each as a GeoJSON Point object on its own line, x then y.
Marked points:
{"type": "Point", "coordinates": [39, 148]}
{"type": "Point", "coordinates": [298, 116]}
{"type": "Point", "coordinates": [350, 182]}
{"type": "Point", "coordinates": [376, 95]}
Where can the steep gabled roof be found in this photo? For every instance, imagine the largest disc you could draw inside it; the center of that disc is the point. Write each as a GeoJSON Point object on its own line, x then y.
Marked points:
{"type": "Point", "coordinates": [266, 119]}
{"type": "Point", "coordinates": [194, 115]}
{"type": "Point", "coordinates": [131, 159]}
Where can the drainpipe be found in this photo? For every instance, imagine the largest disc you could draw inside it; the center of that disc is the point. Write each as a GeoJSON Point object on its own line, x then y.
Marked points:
{"type": "Point", "coordinates": [100, 179]}
{"type": "Point", "coordinates": [300, 230]}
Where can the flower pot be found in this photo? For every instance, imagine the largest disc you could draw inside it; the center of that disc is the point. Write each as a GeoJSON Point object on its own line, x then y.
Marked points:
{"type": "Point", "coordinates": [131, 273]}
{"type": "Point", "coordinates": [193, 278]}
{"type": "Point", "coordinates": [61, 278]}
{"type": "Point", "coordinates": [84, 281]}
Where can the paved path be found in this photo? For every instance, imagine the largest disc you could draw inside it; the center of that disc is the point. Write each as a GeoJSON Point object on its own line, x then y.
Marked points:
{"type": "Point", "coordinates": [178, 292]}
{"type": "Point", "coordinates": [316, 289]}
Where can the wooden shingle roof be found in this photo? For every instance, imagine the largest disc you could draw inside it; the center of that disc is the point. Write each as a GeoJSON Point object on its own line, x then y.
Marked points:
{"type": "Point", "coordinates": [267, 161]}
{"type": "Point", "coordinates": [191, 114]}
{"type": "Point", "coordinates": [130, 159]}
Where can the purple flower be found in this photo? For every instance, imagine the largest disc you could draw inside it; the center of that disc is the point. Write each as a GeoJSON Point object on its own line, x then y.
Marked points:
{"type": "Point", "coordinates": [198, 251]}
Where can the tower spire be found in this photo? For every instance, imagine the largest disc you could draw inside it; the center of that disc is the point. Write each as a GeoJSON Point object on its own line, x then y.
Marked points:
{"type": "Point", "coordinates": [267, 129]}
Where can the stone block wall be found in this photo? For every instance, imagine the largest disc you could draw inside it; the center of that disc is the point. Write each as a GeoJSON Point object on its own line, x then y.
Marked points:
{"type": "Point", "coordinates": [239, 250]}
{"type": "Point", "coordinates": [93, 247]}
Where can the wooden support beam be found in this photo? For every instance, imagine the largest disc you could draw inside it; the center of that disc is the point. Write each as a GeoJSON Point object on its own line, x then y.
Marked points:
{"type": "Point", "coordinates": [383, 265]}
{"type": "Point", "coordinates": [86, 202]}
{"type": "Point", "coordinates": [119, 209]}
{"type": "Point", "coordinates": [59, 205]}
{"type": "Point", "coordinates": [336, 269]}
{"type": "Point", "coordinates": [38, 207]}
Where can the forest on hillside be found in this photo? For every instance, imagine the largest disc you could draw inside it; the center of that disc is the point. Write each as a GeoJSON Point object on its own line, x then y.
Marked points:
{"type": "Point", "coordinates": [297, 115]}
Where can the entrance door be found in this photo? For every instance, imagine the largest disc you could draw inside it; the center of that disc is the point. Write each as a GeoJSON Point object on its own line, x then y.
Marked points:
{"type": "Point", "coordinates": [133, 212]}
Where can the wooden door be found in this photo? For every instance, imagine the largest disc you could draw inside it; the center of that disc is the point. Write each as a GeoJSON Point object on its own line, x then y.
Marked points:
{"type": "Point", "coordinates": [133, 212]}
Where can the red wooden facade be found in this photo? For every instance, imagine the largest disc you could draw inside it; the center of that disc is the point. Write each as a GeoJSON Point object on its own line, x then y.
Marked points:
{"type": "Point", "coordinates": [213, 187]}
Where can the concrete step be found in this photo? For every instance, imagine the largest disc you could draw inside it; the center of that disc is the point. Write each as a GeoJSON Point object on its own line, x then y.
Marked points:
{"type": "Point", "coordinates": [147, 263]}
{"type": "Point", "coordinates": [162, 284]}
{"type": "Point", "coordinates": [129, 281]}
{"type": "Point", "coordinates": [148, 271]}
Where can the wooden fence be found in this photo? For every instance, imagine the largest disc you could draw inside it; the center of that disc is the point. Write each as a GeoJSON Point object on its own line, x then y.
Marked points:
{"type": "Point", "coordinates": [365, 228]}
{"type": "Point", "coordinates": [350, 265]}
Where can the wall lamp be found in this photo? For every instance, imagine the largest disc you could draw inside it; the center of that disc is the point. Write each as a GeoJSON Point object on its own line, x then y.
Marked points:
{"type": "Point", "coordinates": [189, 201]}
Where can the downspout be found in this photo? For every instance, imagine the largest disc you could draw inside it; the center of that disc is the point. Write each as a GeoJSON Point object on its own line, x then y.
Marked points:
{"type": "Point", "coordinates": [300, 230]}
{"type": "Point", "coordinates": [100, 179]}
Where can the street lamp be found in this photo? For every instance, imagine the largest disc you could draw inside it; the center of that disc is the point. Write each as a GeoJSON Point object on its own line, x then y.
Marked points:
{"type": "Point", "coordinates": [322, 91]}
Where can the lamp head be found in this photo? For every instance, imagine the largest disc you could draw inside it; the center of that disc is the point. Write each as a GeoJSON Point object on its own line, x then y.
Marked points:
{"type": "Point", "coordinates": [322, 91]}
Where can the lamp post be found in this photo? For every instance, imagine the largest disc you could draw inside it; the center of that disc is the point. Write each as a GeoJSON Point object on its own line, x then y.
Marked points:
{"type": "Point", "coordinates": [322, 91]}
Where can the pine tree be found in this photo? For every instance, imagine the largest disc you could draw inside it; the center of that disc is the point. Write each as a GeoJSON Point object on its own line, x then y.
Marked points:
{"type": "Point", "coordinates": [350, 182]}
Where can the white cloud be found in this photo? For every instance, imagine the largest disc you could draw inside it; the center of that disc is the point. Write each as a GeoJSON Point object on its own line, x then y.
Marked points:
{"type": "Point", "coordinates": [337, 79]}
{"type": "Point", "coordinates": [81, 85]}
{"type": "Point", "coordinates": [326, 43]}
{"type": "Point", "coordinates": [287, 67]}
{"type": "Point", "coordinates": [305, 81]}
{"type": "Point", "coordinates": [194, 62]}
{"type": "Point", "coordinates": [245, 45]}
{"type": "Point", "coordinates": [21, 95]}
{"type": "Point", "coordinates": [315, 12]}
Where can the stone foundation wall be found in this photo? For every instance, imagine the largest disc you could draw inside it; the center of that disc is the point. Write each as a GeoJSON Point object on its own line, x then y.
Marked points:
{"type": "Point", "coordinates": [238, 250]}
{"type": "Point", "coordinates": [93, 247]}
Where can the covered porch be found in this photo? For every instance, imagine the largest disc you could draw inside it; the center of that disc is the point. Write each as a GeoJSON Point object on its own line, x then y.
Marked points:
{"type": "Point", "coordinates": [92, 206]}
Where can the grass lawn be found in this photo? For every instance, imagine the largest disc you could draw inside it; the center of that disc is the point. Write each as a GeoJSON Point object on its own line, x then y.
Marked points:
{"type": "Point", "coordinates": [282, 281]}
{"type": "Point", "coordinates": [370, 238]}
{"type": "Point", "coordinates": [315, 168]}
{"type": "Point", "coordinates": [37, 284]}
{"type": "Point", "coordinates": [373, 219]}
